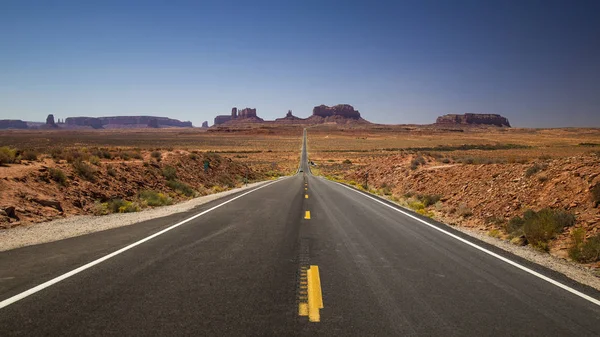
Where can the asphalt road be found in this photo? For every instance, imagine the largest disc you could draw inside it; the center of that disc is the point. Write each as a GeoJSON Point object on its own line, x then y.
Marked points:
{"type": "Point", "coordinates": [236, 270]}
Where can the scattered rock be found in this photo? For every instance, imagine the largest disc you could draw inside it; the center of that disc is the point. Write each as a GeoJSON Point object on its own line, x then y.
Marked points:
{"type": "Point", "coordinates": [48, 203]}
{"type": "Point", "coordinates": [10, 212]}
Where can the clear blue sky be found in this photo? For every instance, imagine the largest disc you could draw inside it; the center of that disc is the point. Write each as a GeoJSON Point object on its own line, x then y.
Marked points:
{"type": "Point", "coordinates": [536, 62]}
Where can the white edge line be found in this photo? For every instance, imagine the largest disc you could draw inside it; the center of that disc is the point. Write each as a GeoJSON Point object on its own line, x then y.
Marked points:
{"type": "Point", "coordinates": [55, 280]}
{"type": "Point", "coordinates": [502, 258]}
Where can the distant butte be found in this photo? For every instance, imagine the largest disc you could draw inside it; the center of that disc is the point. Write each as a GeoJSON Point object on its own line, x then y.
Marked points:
{"type": "Point", "coordinates": [247, 115]}
{"type": "Point", "coordinates": [473, 119]}
{"type": "Point", "coordinates": [123, 122]}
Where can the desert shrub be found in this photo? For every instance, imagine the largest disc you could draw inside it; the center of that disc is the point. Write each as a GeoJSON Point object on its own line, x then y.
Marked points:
{"type": "Point", "coordinates": [156, 154]}
{"type": "Point", "coordinates": [169, 172]}
{"type": "Point", "coordinates": [94, 160]}
{"type": "Point", "coordinates": [582, 250]}
{"type": "Point", "coordinates": [535, 168]}
{"type": "Point", "coordinates": [542, 178]}
{"type": "Point", "coordinates": [446, 161]}
{"type": "Point", "coordinates": [386, 189]}
{"type": "Point", "coordinates": [110, 170]}
{"type": "Point", "coordinates": [217, 189]}
{"type": "Point", "coordinates": [414, 164]}
{"type": "Point", "coordinates": [545, 157]}
{"type": "Point", "coordinates": [100, 208]}
{"type": "Point", "coordinates": [590, 251]}
{"type": "Point", "coordinates": [595, 192]}
{"type": "Point", "coordinates": [7, 155]}
{"type": "Point", "coordinates": [464, 211]}
{"type": "Point", "coordinates": [105, 154]}
{"type": "Point", "coordinates": [589, 144]}
{"type": "Point", "coordinates": [424, 212]}
{"type": "Point", "coordinates": [181, 187]}
{"type": "Point", "coordinates": [84, 170]}
{"type": "Point", "coordinates": [416, 205]}
{"type": "Point", "coordinates": [56, 153]}
{"type": "Point", "coordinates": [102, 153]}
{"type": "Point", "coordinates": [194, 156]}
{"type": "Point", "coordinates": [154, 198]}
{"type": "Point", "coordinates": [540, 227]}
{"type": "Point", "coordinates": [347, 161]}
{"type": "Point", "coordinates": [29, 155]}
{"type": "Point", "coordinates": [494, 233]}
{"type": "Point", "coordinates": [496, 221]}
{"type": "Point", "coordinates": [75, 155]}
{"type": "Point", "coordinates": [125, 155]}
{"type": "Point", "coordinates": [122, 206]}
{"type": "Point", "coordinates": [137, 155]}
{"type": "Point", "coordinates": [429, 199]}
{"type": "Point", "coordinates": [58, 175]}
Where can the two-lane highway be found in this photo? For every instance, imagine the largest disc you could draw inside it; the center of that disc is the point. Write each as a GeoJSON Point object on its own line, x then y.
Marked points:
{"type": "Point", "coordinates": [240, 267]}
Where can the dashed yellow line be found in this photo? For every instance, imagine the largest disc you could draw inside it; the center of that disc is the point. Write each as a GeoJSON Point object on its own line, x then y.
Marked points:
{"type": "Point", "coordinates": [310, 295]}
{"type": "Point", "coordinates": [315, 296]}
{"type": "Point", "coordinates": [306, 196]}
{"type": "Point", "coordinates": [307, 215]}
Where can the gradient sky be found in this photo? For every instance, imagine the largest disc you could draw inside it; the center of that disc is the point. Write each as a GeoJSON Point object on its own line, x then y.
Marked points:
{"type": "Point", "coordinates": [535, 62]}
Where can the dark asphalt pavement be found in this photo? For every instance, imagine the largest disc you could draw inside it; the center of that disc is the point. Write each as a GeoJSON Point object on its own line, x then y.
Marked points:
{"type": "Point", "coordinates": [234, 271]}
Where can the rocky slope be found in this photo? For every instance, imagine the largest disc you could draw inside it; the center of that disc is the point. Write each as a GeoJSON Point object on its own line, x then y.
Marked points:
{"type": "Point", "coordinates": [37, 192]}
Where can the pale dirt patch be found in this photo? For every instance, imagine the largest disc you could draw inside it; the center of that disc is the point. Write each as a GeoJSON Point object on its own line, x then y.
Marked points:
{"type": "Point", "coordinates": [60, 229]}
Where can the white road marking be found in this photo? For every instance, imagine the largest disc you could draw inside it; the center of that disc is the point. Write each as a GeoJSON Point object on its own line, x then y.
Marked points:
{"type": "Point", "coordinates": [502, 258]}
{"type": "Point", "coordinates": [55, 280]}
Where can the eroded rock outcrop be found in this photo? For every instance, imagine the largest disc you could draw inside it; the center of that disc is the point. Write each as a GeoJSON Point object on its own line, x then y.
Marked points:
{"type": "Point", "coordinates": [289, 118]}
{"type": "Point", "coordinates": [126, 122]}
{"type": "Point", "coordinates": [343, 110]}
{"type": "Point", "coordinates": [245, 115]}
{"type": "Point", "coordinates": [205, 124]}
{"type": "Point", "coordinates": [12, 124]}
{"type": "Point", "coordinates": [50, 121]}
{"type": "Point", "coordinates": [473, 119]}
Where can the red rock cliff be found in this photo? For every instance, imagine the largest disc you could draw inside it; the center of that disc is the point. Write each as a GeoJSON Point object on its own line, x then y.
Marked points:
{"type": "Point", "coordinates": [343, 110]}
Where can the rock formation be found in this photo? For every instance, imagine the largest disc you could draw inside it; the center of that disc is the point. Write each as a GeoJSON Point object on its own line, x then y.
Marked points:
{"type": "Point", "coordinates": [92, 122]}
{"type": "Point", "coordinates": [343, 110]}
{"type": "Point", "coordinates": [50, 121]}
{"type": "Point", "coordinates": [247, 113]}
{"type": "Point", "coordinates": [473, 119]}
{"type": "Point", "coordinates": [222, 119]}
{"type": "Point", "coordinates": [289, 118]}
{"type": "Point", "coordinates": [12, 124]}
{"type": "Point", "coordinates": [244, 115]}
{"type": "Point", "coordinates": [126, 122]}
{"type": "Point", "coordinates": [205, 124]}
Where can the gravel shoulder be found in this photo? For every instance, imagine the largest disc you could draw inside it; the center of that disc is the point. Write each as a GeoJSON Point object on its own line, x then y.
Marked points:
{"type": "Point", "coordinates": [85, 224]}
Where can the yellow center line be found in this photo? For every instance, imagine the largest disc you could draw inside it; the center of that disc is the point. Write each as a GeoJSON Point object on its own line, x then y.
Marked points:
{"type": "Point", "coordinates": [306, 196]}
{"type": "Point", "coordinates": [307, 215]}
{"type": "Point", "coordinates": [315, 295]}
